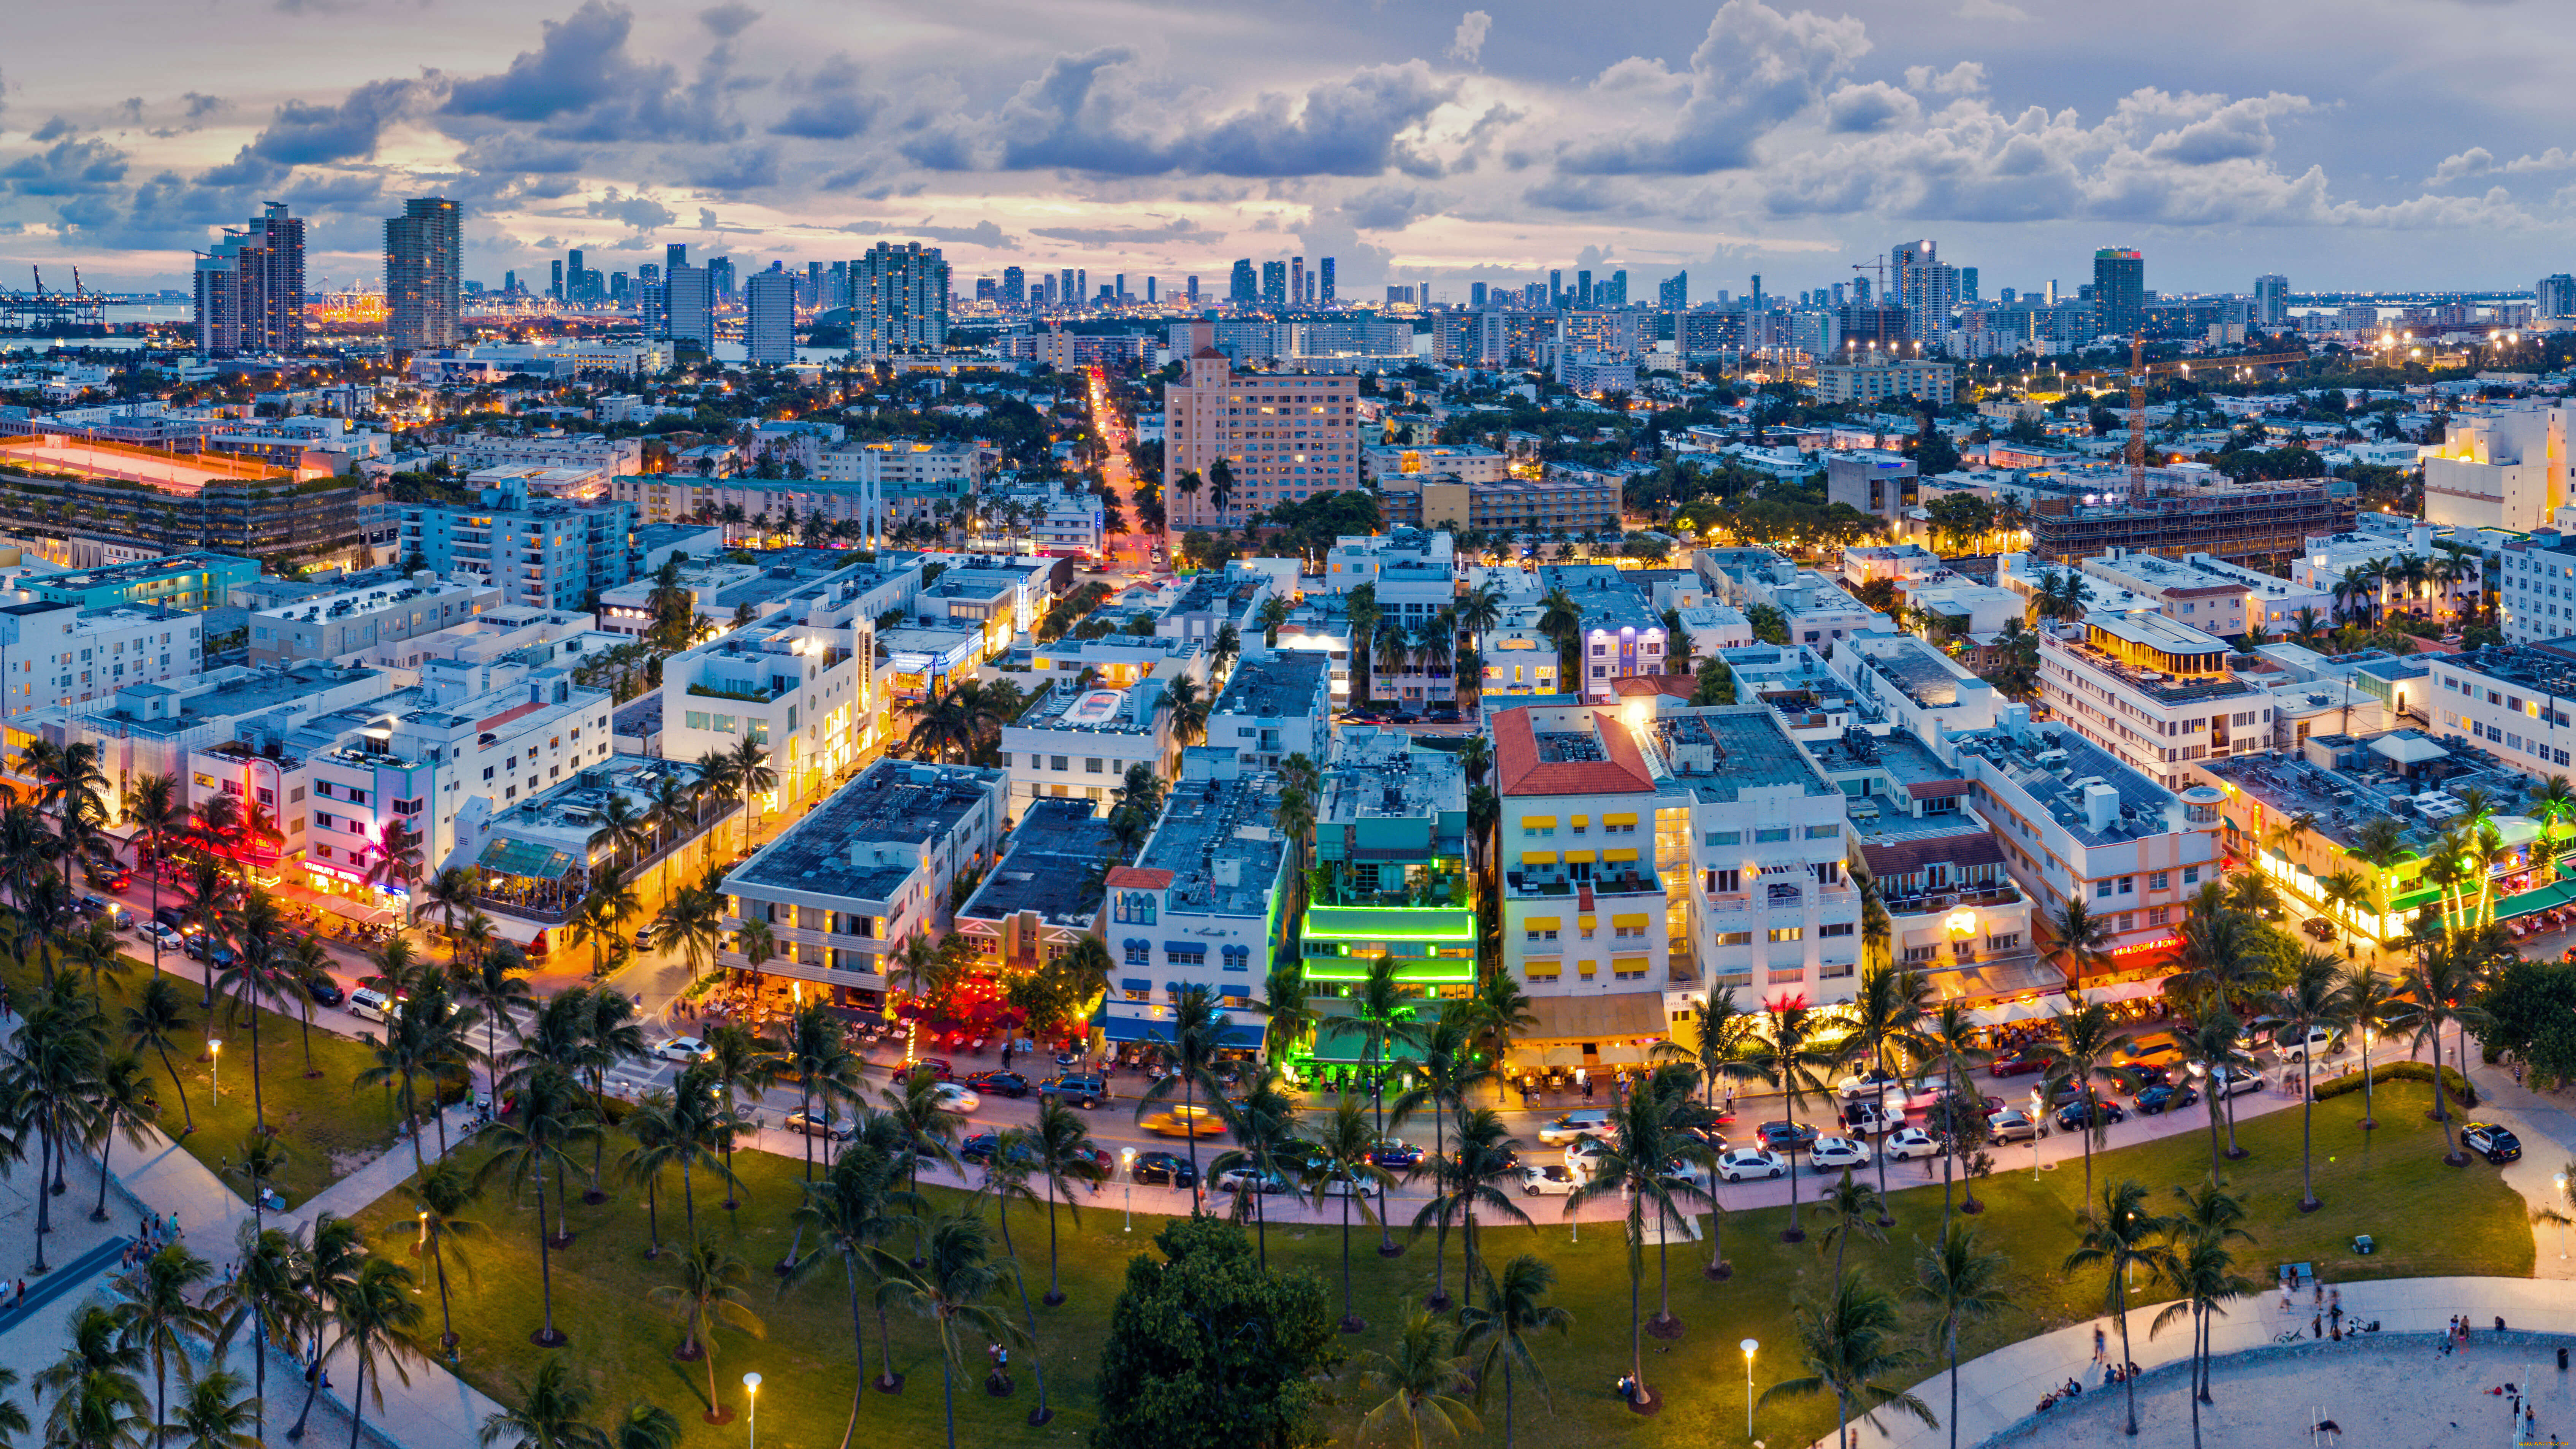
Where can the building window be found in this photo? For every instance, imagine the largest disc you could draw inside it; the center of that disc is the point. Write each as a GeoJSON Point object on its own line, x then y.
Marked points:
{"type": "Point", "coordinates": [2004, 943]}
{"type": "Point", "coordinates": [1835, 928]}
{"type": "Point", "coordinates": [1788, 933]}
{"type": "Point", "coordinates": [1921, 953]}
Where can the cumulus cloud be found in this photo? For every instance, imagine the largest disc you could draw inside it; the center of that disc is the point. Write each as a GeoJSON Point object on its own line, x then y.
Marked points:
{"type": "Point", "coordinates": [1755, 69]}
{"type": "Point", "coordinates": [70, 167]}
{"type": "Point", "coordinates": [734, 170]}
{"type": "Point", "coordinates": [638, 213]}
{"type": "Point", "coordinates": [1964, 79]}
{"type": "Point", "coordinates": [304, 134]}
{"type": "Point", "coordinates": [728, 20]}
{"type": "Point", "coordinates": [581, 61]}
{"type": "Point", "coordinates": [1390, 207]}
{"type": "Point", "coordinates": [1468, 43]}
{"type": "Point", "coordinates": [2475, 161]}
{"type": "Point", "coordinates": [982, 233]}
{"type": "Point", "coordinates": [831, 104]}
{"type": "Point", "coordinates": [54, 129]}
{"type": "Point", "coordinates": [1872, 107]}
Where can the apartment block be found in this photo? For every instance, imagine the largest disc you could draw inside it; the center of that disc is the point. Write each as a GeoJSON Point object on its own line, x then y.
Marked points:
{"type": "Point", "coordinates": [1204, 905]}
{"type": "Point", "coordinates": [802, 692]}
{"type": "Point", "coordinates": [2514, 702]}
{"type": "Point", "coordinates": [1284, 436]}
{"type": "Point", "coordinates": [1555, 504]}
{"type": "Point", "coordinates": [863, 873]}
{"type": "Point", "coordinates": [1079, 743]}
{"type": "Point", "coordinates": [1621, 634]}
{"type": "Point", "coordinates": [2155, 693]}
{"type": "Point", "coordinates": [357, 621]}
{"type": "Point", "coordinates": [190, 581]}
{"type": "Point", "coordinates": [59, 655]}
{"type": "Point", "coordinates": [1274, 707]}
{"type": "Point", "coordinates": [1045, 894]}
{"type": "Point", "coordinates": [545, 554]}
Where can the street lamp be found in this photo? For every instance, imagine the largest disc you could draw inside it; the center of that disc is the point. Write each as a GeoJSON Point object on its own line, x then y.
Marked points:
{"type": "Point", "coordinates": [215, 1051]}
{"type": "Point", "coordinates": [1127, 1170]}
{"type": "Point", "coordinates": [751, 1386]}
{"type": "Point", "coordinates": [1748, 1346]}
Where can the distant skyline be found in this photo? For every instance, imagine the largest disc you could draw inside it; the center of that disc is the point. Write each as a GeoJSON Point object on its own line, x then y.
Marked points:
{"type": "Point", "coordinates": [2368, 143]}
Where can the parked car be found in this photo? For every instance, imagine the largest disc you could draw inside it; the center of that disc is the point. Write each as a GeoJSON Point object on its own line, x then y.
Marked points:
{"type": "Point", "coordinates": [2237, 1081]}
{"type": "Point", "coordinates": [1081, 1091]}
{"type": "Point", "coordinates": [1589, 1122]}
{"type": "Point", "coordinates": [670, 1049]}
{"type": "Point", "coordinates": [172, 916]}
{"type": "Point", "coordinates": [999, 1084]}
{"type": "Point", "coordinates": [1441, 714]}
{"type": "Point", "coordinates": [1907, 1143]}
{"type": "Point", "coordinates": [1169, 1169]}
{"type": "Point", "coordinates": [370, 1003]}
{"type": "Point", "coordinates": [2318, 928]}
{"type": "Point", "coordinates": [1751, 1162]}
{"type": "Point", "coordinates": [937, 1067]}
{"type": "Point", "coordinates": [1786, 1136]}
{"type": "Point", "coordinates": [1394, 1153]}
{"type": "Point", "coordinates": [1585, 1156]}
{"type": "Point", "coordinates": [1548, 1180]}
{"type": "Point", "coordinates": [979, 1148]}
{"type": "Point", "coordinates": [324, 990]}
{"type": "Point", "coordinates": [1864, 1084]}
{"type": "Point", "coordinates": [2258, 1033]}
{"type": "Point", "coordinates": [1237, 1179]}
{"type": "Point", "coordinates": [94, 906]}
{"type": "Point", "coordinates": [2165, 1097]}
{"type": "Point", "coordinates": [2075, 1116]}
{"type": "Point", "coordinates": [2319, 1041]}
{"type": "Point", "coordinates": [1832, 1154]}
{"type": "Point", "coordinates": [163, 936]}
{"type": "Point", "coordinates": [2491, 1141]}
{"type": "Point", "coordinates": [2018, 1063]}
{"type": "Point", "coordinates": [1868, 1119]}
{"type": "Point", "coordinates": [953, 1097]}
{"type": "Point", "coordinates": [820, 1122]}
{"type": "Point", "coordinates": [1344, 1184]}
{"type": "Point", "coordinates": [2012, 1124]}
{"type": "Point", "coordinates": [1708, 1136]}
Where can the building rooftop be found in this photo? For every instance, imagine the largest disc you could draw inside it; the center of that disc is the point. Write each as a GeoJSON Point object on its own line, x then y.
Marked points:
{"type": "Point", "coordinates": [1054, 865]}
{"type": "Point", "coordinates": [2051, 765]}
{"type": "Point", "coordinates": [120, 575]}
{"type": "Point", "coordinates": [1917, 670]}
{"type": "Point", "coordinates": [2547, 668]}
{"type": "Point", "coordinates": [563, 818]}
{"type": "Point", "coordinates": [2153, 636]}
{"type": "Point", "coordinates": [237, 691]}
{"type": "Point", "coordinates": [2345, 781]}
{"type": "Point", "coordinates": [895, 802]}
{"type": "Point", "coordinates": [1718, 753]}
{"type": "Point", "coordinates": [1377, 773]}
{"type": "Point", "coordinates": [1129, 711]}
{"type": "Point", "coordinates": [1902, 772]}
{"type": "Point", "coordinates": [1284, 686]}
{"type": "Point", "coordinates": [1220, 841]}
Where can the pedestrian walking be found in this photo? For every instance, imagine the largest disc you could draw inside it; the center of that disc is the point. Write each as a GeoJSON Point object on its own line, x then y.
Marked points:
{"type": "Point", "coordinates": [2101, 1344]}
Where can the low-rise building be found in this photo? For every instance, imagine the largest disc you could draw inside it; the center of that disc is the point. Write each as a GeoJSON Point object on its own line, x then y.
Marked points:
{"type": "Point", "coordinates": [2157, 694]}
{"type": "Point", "coordinates": [1460, 462]}
{"type": "Point", "coordinates": [1203, 907]}
{"type": "Point", "coordinates": [1920, 689]}
{"type": "Point", "coordinates": [1554, 504]}
{"type": "Point", "coordinates": [1621, 636]}
{"type": "Point", "coordinates": [60, 655]}
{"type": "Point", "coordinates": [1879, 376]}
{"type": "Point", "coordinates": [190, 581]}
{"type": "Point", "coordinates": [802, 692]}
{"type": "Point", "coordinates": [849, 885]}
{"type": "Point", "coordinates": [367, 619]}
{"type": "Point", "coordinates": [1046, 892]}
{"type": "Point", "coordinates": [1079, 743]}
{"type": "Point", "coordinates": [1273, 708]}
{"type": "Point", "coordinates": [1391, 863]}
{"type": "Point", "coordinates": [545, 553]}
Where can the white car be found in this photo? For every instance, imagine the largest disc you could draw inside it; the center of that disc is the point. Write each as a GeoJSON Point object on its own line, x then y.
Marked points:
{"type": "Point", "coordinates": [1870, 1084]}
{"type": "Point", "coordinates": [1586, 1155]}
{"type": "Point", "coordinates": [1832, 1154]}
{"type": "Point", "coordinates": [2237, 1081]}
{"type": "Point", "coordinates": [1685, 1170]}
{"type": "Point", "coordinates": [1342, 1184]}
{"type": "Point", "coordinates": [1236, 1179]}
{"type": "Point", "coordinates": [1548, 1180]}
{"type": "Point", "coordinates": [1749, 1162]}
{"type": "Point", "coordinates": [168, 939]}
{"type": "Point", "coordinates": [955, 1098]}
{"type": "Point", "coordinates": [1575, 1126]}
{"type": "Point", "coordinates": [1869, 1119]}
{"type": "Point", "coordinates": [2320, 1040]}
{"type": "Point", "coordinates": [1910, 1143]}
{"type": "Point", "coordinates": [681, 1049]}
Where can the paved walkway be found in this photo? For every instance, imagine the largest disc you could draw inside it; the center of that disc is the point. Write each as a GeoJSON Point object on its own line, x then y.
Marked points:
{"type": "Point", "coordinates": [2000, 1391]}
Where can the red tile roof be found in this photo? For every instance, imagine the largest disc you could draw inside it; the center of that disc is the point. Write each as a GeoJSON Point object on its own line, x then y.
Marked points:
{"type": "Point", "coordinates": [513, 712]}
{"type": "Point", "coordinates": [1137, 877]}
{"type": "Point", "coordinates": [1647, 686]}
{"type": "Point", "coordinates": [1891, 859]}
{"type": "Point", "coordinates": [1522, 772]}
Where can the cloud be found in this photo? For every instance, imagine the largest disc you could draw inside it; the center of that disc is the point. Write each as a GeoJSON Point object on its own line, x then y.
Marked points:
{"type": "Point", "coordinates": [1873, 107]}
{"type": "Point", "coordinates": [982, 233]}
{"type": "Point", "coordinates": [1964, 79]}
{"type": "Point", "coordinates": [1468, 43]}
{"type": "Point", "coordinates": [1996, 10]}
{"type": "Point", "coordinates": [581, 61]}
{"type": "Point", "coordinates": [833, 107]}
{"type": "Point", "coordinates": [1118, 236]}
{"type": "Point", "coordinates": [2475, 161]}
{"type": "Point", "coordinates": [54, 129]}
{"type": "Point", "coordinates": [735, 170]}
{"type": "Point", "coordinates": [2236, 131]}
{"type": "Point", "coordinates": [1351, 128]}
{"type": "Point", "coordinates": [71, 167]}
{"type": "Point", "coordinates": [304, 134]}
{"type": "Point", "coordinates": [728, 20]}
{"type": "Point", "coordinates": [1390, 207]}
{"type": "Point", "coordinates": [638, 213]}
{"type": "Point", "coordinates": [1755, 69]}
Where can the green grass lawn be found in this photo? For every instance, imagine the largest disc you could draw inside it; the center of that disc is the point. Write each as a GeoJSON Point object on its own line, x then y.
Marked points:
{"type": "Point", "coordinates": [328, 1126]}
{"type": "Point", "coordinates": [2427, 1219]}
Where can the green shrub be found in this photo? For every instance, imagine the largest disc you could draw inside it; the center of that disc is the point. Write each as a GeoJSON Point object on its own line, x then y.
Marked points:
{"type": "Point", "coordinates": [2452, 1082]}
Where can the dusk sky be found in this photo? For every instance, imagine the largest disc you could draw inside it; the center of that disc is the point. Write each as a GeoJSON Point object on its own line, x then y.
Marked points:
{"type": "Point", "coordinates": [2363, 143]}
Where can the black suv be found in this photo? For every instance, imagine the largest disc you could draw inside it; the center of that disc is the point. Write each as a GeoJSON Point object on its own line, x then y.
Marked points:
{"type": "Point", "coordinates": [1165, 1168]}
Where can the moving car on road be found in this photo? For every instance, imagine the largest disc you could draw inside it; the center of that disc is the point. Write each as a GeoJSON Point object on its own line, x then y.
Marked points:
{"type": "Point", "coordinates": [999, 1084]}
{"type": "Point", "coordinates": [1185, 1121]}
{"type": "Point", "coordinates": [1589, 1122]}
{"type": "Point", "coordinates": [1548, 1180]}
{"type": "Point", "coordinates": [820, 1122]}
{"type": "Point", "coordinates": [680, 1049]}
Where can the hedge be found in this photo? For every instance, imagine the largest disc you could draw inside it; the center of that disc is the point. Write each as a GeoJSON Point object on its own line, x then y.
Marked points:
{"type": "Point", "coordinates": [2453, 1083]}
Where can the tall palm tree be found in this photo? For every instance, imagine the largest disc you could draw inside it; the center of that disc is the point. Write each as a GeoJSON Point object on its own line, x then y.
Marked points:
{"type": "Point", "coordinates": [1263, 1122]}
{"type": "Point", "coordinates": [153, 808]}
{"type": "Point", "coordinates": [442, 1195]}
{"type": "Point", "coordinates": [1961, 1284]}
{"type": "Point", "coordinates": [1421, 1379]}
{"type": "Point", "coordinates": [488, 982]}
{"type": "Point", "coordinates": [162, 1314]}
{"type": "Point", "coordinates": [96, 1386]}
{"type": "Point", "coordinates": [264, 1296]}
{"type": "Point", "coordinates": [535, 1140]}
{"type": "Point", "coordinates": [2442, 982]}
{"type": "Point", "coordinates": [2122, 1236]}
{"type": "Point", "coordinates": [122, 1102]}
{"type": "Point", "coordinates": [1888, 1013]}
{"type": "Point", "coordinates": [611, 1036]}
{"type": "Point", "coordinates": [752, 778]}
{"type": "Point", "coordinates": [216, 1414]}
{"type": "Point", "coordinates": [1847, 1345]}
{"type": "Point", "coordinates": [376, 1317]}
{"type": "Point", "coordinates": [742, 1061]}
{"type": "Point", "coordinates": [2210, 1217]}
{"type": "Point", "coordinates": [1343, 1166]}
{"type": "Point", "coordinates": [708, 1295]}
{"type": "Point", "coordinates": [2369, 999]}
{"type": "Point", "coordinates": [1496, 1334]}
{"type": "Point", "coordinates": [856, 1202]}
{"type": "Point", "coordinates": [2314, 998]}
{"type": "Point", "coordinates": [1061, 1154]}
{"type": "Point", "coordinates": [156, 1018]}
{"type": "Point", "coordinates": [2080, 936]}
{"type": "Point", "coordinates": [1484, 1176]}
{"type": "Point", "coordinates": [1449, 1070]}
{"type": "Point", "coordinates": [2210, 1044]}
{"type": "Point", "coordinates": [1850, 1208]}
{"type": "Point", "coordinates": [1783, 1054]}
{"type": "Point", "coordinates": [951, 1288]}
{"type": "Point", "coordinates": [1006, 1179]}
{"type": "Point", "coordinates": [1637, 1163]}
{"type": "Point", "coordinates": [2080, 1056]}
{"type": "Point", "coordinates": [1198, 1035]}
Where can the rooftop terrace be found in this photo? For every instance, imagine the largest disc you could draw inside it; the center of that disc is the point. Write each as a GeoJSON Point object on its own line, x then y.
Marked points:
{"type": "Point", "coordinates": [1378, 774]}
{"type": "Point", "coordinates": [1719, 753]}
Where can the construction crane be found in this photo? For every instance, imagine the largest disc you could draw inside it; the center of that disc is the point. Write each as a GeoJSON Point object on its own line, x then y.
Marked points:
{"type": "Point", "coordinates": [2139, 371]}
{"type": "Point", "coordinates": [1876, 266]}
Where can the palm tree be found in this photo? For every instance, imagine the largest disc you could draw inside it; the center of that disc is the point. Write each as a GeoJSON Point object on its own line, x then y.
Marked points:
{"type": "Point", "coordinates": [1888, 1012]}
{"type": "Point", "coordinates": [121, 1102]}
{"type": "Point", "coordinates": [1061, 1154]}
{"type": "Point", "coordinates": [741, 1060]}
{"type": "Point", "coordinates": [2211, 1045]}
{"type": "Point", "coordinates": [2080, 935]}
{"type": "Point", "coordinates": [1497, 1333]}
{"type": "Point", "coordinates": [1640, 1162]}
{"type": "Point", "coordinates": [1449, 1071]}
{"type": "Point", "coordinates": [153, 808]}
{"type": "Point", "coordinates": [708, 1296]}
{"type": "Point", "coordinates": [1198, 1034]}
{"type": "Point", "coordinates": [752, 778]}
{"type": "Point", "coordinates": [486, 981]}
{"type": "Point", "coordinates": [2210, 1218]}
{"type": "Point", "coordinates": [957, 1275]}
{"type": "Point", "coordinates": [216, 1414]}
{"type": "Point", "coordinates": [1850, 1208]}
{"type": "Point", "coordinates": [2314, 998]}
{"type": "Point", "coordinates": [1484, 1176]}
{"type": "Point", "coordinates": [1846, 1343]}
{"type": "Point", "coordinates": [1960, 1284]}
{"type": "Point", "coordinates": [97, 1395]}
{"type": "Point", "coordinates": [1421, 1379]}
{"type": "Point", "coordinates": [610, 1036]}
{"type": "Point", "coordinates": [690, 920]}
{"type": "Point", "coordinates": [2121, 1237]}
{"type": "Point", "coordinates": [856, 1203]}
{"type": "Point", "coordinates": [265, 1297]}
{"type": "Point", "coordinates": [2081, 1056]}
{"type": "Point", "coordinates": [552, 1412]}
{"type": "Point", "coordinates": [162, 1314]}
{"type": "Point", "coordinates": [2443, 980]}
{"type": "Point", "coordinates": [1006, 1178]}
{"type": "Point", "coordinates": [442, 1193]}
{"type": "Point", "coordinates": [158, 1015]}
{"type": "Point", "coordinates": [1783, 1054]}
{"type": "Point", "coordinates": [550, 1120]}
{"type": "Point", "coordinates": [1342, 1166]}
{"type": "Point", "coordinates": [376, 1316]}
{"type": "Point", "coordinates": [1263, 1121]}
{"type": "Point", "coordinates": [2368, 998]}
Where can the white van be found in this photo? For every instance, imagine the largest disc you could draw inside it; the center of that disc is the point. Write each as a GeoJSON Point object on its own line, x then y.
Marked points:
{"type": "Point", "coordinates": [370, 1003]}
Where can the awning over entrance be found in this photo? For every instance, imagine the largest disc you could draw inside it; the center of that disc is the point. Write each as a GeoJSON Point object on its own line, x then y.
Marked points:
{"type": "Point", "coordinates": [1239, 1035]}
{"type": "Point", "coordinates": [1597, 1018]}
{"type": "Point", "coordinates": [2004, 1013]}
{"type": "Point", "coordinates": [1344, 1039]}
{"type": "Point", "coordinates": [2547, 898]}
{"type": "Point", "coordinates": [2125, 990]}
{"type": "Point", "coordinates": [505, 856]}
{"type": "Point", "coordinates": [356, 910]}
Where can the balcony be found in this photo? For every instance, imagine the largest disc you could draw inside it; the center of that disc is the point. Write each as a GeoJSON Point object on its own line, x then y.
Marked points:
{"type": "Point", "coordinates": [1532, 884]}
{"type": "Point", "coordinates": [1934, 902]}
{"type": "Point", "coordinates": [745, 693]}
